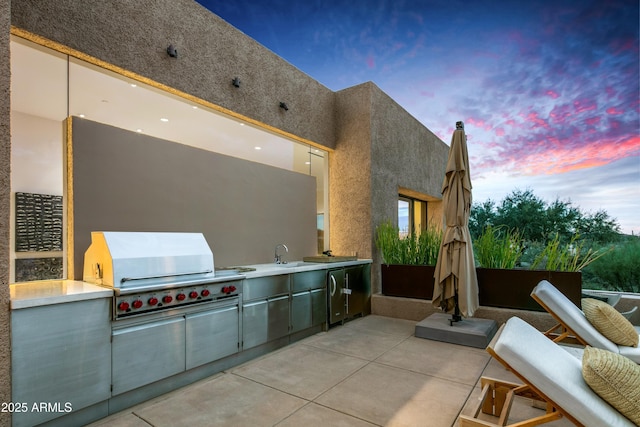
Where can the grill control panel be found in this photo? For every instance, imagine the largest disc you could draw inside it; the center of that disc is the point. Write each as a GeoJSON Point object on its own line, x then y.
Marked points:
{"type": "Point", "coordinates": [151, 301]}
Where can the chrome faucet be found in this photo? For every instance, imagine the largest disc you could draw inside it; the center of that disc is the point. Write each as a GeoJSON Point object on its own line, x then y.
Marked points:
{"type": "Point", "coordinates": [278, 258]}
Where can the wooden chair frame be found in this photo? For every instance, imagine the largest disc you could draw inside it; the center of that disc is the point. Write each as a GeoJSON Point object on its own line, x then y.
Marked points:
{"type": "Point", "coordinates": [565, 332]}
{"type": "Point", "coordinates": [497, 398]}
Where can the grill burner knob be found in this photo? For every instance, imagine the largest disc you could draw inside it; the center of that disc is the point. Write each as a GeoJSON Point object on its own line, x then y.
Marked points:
{"type": "Point", "coordinates": [123, 306]}
{"type": "Point", "coordinates": [225, 290]}
{"type": "Point", "coordinates": [137, 304]}
{"type": "Point", "coordinates": [153, 301]}
{"type": "Point", "coordinates": [193, 294]}
{"type": "Point", "coordinates": [167, 299]}
{"type": "Point", "coordinates": [205, 292]}
{"type": "Point", "coordinates": [181, 297]}
{"type": "Point", "coordinates": [232, 288]}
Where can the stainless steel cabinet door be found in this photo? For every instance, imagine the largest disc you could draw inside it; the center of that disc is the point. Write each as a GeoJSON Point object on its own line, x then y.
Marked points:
{"type": "Point", "coordinates": [255, 323]}
{"type": "Point", "coordinates": [336, 296]}
{"type": "Point", "coordinates": [356, 297]}
{"type": "Point", "coordinates": [278, 317]}
{"type": "Point", "coordinates": [60, 353]}
{"type": "Point", "coordinates": [300, 311]}
{"type": "Point", "coordinates": [212, 335]}
{"type": "Point", "coordinates": [146, 353]}
{"type": "Point", "coordinates": [318, 306]}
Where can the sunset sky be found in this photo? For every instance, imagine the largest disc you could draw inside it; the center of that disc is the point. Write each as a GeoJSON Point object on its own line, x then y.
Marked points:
{"type": "Point", "coordinates": [549, 90]}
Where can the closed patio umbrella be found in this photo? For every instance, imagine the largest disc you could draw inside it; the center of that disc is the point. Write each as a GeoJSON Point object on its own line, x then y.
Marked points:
{"type": "Point", "coordinates": [456, 284]}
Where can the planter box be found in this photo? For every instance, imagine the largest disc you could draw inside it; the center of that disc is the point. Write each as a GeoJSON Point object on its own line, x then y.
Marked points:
{"type": "Point", "coordinates": [512, 288]}
{"type": "Point", "coordinates": [497, 287]}
{"type": "Point", "coordinates": [410, 281]}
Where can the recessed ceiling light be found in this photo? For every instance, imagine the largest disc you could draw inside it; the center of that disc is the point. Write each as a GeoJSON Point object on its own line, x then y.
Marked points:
{"type": "Point", "coordinates": [82, 116]}
{"type": "Point", "coordinates": [257, 148]}
{"type": "Point", "coordinates": [195, 107]}
{"type": "Point", "coordinates": [134, 85]}
{"type": "Point", "coordinates": [307, 163]}
{"type": "Point", "coordinates": [241, 124]}
{"type": "Point", "coordinates": [139, 130]}
{"type": "Point", "coordinates": [164, 120]}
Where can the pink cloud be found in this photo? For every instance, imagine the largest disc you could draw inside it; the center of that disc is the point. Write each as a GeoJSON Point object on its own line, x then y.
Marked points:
{"type": "Point", "coordinates": [560, 113]}
{"type": "Point", "coordinates": [552, 94]}
{"type": "Point", "coordinates": [556, 155]}
{"type": "Point", "coordinates": [499, 131]}
{"type": "Point", "coordinates": [536, 121]}
{"type": "Point", "coordinates": [582, 105]}
{"type": "Point", "coordinates": [371, 62]}
{"type": "Point", "coordinates": [614, 111]}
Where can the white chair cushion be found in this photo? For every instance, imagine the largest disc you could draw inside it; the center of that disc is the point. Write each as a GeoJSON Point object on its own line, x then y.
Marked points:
{"type": "Point", "coordinates": [554, 372]}
{"type": "Point", "coordinates": [632, 353]}
{"type": "Point", "coordinates": [572, 316]}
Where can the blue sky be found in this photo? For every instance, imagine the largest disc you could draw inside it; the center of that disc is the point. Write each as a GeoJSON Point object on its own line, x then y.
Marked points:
{"type": "Point", "coordinates": [549, 90]}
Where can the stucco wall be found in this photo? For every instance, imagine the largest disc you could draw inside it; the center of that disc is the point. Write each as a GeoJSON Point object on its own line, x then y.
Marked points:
{"type": "Point", "coordinates": [380, 149]}
{"type": "Point", "coordinates": [135, 35]}
{"type": "Point", "coordinates": [5, 194]}
{"type": "Point", "coordinates": [350, 174]}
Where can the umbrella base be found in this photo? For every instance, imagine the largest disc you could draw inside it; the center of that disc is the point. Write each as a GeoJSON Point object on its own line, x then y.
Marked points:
{"type": "Point", "coordinates": [470, 332]}
{"type": "Point", "coordinates": [454, 318]}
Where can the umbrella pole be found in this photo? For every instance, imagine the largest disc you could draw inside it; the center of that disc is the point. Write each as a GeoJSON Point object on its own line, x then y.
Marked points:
{"type": "Point", "coordinates": [455, 317]}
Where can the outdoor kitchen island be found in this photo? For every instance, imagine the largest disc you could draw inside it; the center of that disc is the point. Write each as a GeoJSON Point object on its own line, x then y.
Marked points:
{"type": "Point", "coordinates": [66, 337]}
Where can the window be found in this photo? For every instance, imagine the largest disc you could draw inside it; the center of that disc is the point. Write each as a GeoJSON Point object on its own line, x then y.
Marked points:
{"type": "Point", "coordinates": [412, 215]}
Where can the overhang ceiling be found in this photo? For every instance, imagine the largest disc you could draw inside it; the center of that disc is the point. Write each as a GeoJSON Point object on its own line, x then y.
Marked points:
{"type": "Point", "coordinates": [41, 79]}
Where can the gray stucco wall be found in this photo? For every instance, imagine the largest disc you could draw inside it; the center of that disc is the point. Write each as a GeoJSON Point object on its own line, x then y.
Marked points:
{"type": "Point", "coordinates": [135, 35]}
{"type": "Point", "coordinates": [5, 194]}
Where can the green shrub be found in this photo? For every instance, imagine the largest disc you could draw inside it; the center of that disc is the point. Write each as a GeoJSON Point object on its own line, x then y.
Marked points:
{"type": "Point", "coordinates": [498, 247]}
{"type": "Point", "coordinates": [568, 257]}
{"type": "Point", "coordinates": [411, 250]}
{"type": "Point", "coordinates": [617, 270]}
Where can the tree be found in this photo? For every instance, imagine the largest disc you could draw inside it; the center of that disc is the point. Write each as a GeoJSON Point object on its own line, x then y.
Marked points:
{"type": "Point", "coordinates": [481, 216]}
{"type": "Point", "coordinates": [539, 221]}
{"type": "Point", "coordinates": [599, 227]}
{"type": "Point", "coordinates": [523, 211]}
{"type": "Point", "coordinates": [562, 219]}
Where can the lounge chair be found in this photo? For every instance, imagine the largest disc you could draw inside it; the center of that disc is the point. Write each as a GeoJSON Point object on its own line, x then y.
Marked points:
{"type": "Point", "coordinates": [549, 374]}
{"type": "Point", "coordinates": [573, 323]}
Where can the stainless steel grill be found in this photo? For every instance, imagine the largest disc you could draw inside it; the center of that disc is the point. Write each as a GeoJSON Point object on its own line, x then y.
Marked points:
{"type": "Point", "coordinates": [150, 272]}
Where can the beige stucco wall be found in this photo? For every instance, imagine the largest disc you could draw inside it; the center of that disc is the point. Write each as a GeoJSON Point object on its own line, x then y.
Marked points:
{"type": "Point", "coordinates": [5, 189]}
{"type": "Point", "coordinates": [380, 149]}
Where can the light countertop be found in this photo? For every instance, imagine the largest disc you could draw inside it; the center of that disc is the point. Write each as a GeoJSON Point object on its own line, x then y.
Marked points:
{"type": "Point", "coordinates": [33, 294]}
{"type": "Point", "coordinates": [273, 269]}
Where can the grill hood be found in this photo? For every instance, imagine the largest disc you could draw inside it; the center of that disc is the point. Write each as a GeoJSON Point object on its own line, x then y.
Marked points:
{"type": "Point", "coordinates": [142, 259]}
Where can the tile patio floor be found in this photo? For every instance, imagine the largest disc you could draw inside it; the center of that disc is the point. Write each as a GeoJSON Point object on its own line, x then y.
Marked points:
{"type": "Point", "coordinates": [370, 372]}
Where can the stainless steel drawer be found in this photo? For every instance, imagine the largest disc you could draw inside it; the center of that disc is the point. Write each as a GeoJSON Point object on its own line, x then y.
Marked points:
{"type": "Point", "coordinates": [307, 280]}
{"type": "Point", "coordinates": [146, 353]}
{"type": "Point", "coordinates": [265, 287]}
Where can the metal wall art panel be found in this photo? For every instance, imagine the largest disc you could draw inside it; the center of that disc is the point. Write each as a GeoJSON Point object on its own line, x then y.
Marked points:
{"type": "Point", "coordinates": [38, 222]}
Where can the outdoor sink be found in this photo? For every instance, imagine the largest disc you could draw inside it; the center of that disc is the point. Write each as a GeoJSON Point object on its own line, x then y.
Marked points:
{"type": "Point", "coordinates": [333, 258]}
{"type": "Point", "coordinates": [292, 264]}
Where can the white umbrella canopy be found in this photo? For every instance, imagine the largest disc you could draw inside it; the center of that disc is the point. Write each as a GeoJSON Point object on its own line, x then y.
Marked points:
{"type": "Point", "coordinates": [456, 283]}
